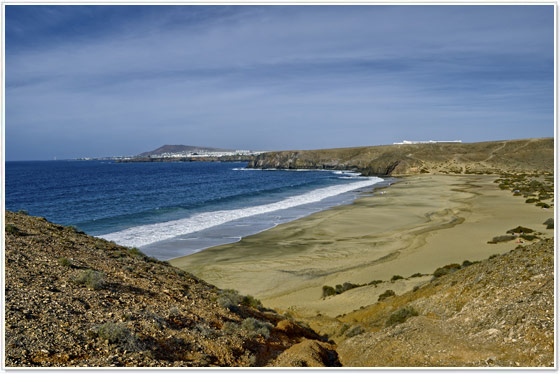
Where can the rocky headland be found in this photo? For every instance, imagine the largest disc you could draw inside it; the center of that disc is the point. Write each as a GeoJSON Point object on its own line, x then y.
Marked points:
{"type": "Point", "coordinates": [494, 157]}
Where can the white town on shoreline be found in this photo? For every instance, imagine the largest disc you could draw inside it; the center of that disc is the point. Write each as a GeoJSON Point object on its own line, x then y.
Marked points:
{"type": "Point", "coordinates": [190, 154]}
{"type": "Point", "coordinates": [202, 153]}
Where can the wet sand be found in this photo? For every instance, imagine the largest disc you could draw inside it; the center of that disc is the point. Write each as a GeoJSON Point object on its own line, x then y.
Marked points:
{"type": "Point", "coordinates": [416, 225]}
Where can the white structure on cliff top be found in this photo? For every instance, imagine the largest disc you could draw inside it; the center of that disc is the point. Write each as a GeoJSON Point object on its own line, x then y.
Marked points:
{"type": "Point", "coordinates": [428, 141]}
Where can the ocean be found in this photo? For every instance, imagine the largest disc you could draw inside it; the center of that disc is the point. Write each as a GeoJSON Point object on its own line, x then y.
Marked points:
{"type": "Point", "coordinates": [173, 209]}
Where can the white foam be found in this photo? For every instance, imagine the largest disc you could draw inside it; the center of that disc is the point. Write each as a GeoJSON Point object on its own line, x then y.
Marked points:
{"type": "Point", "coordinates": [147, 234]}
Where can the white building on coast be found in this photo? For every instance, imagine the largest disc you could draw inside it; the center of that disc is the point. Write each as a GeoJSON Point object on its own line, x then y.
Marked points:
{"type": "Point", "coordinates": [428, 141]}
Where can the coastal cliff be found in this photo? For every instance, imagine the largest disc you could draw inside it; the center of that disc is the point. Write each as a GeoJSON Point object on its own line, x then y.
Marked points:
{"type": "Point", "coordinates": [493, 157]}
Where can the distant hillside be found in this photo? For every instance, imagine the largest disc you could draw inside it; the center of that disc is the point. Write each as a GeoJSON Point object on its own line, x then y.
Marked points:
{"type": "Point", "coordinates": [181, 148]}
{"type": "Point", "coordinates": [75, 300]}
{"type": "Point", "coordinates": [458, 158]}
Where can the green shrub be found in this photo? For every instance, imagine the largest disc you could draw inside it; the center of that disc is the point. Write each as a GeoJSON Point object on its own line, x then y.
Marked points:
{"type": "Point", "coordinates": [543, 205]}
{"type": "Point", "coordinates": [396, 277]}
{"type": "Point", "coordinates": [328, 291]}
{"type": "Point", "coordinates": [348, 286]}
{"type": "Point", "coordinates": [416, 275]}
{"type": "Point", "coordinates": [528, 237]}
{"type": "Point", "coordinates": [416, 288]}
{"type": "Point", "coordinates": [386, 294]}
{"type": "Point", "coordinates": [501, 238]}
{"type": "Point", "coordinates": [375, 282]}
{"type": "Point", "coordinates": [229, 299]}
{"type": "Point", "coordinates": [65, 262]}
{"type": "Point", "coordinates": [118, 333]}
{"type": "Point", "coordinates": [136, 252]}
{"type": "Point", "coordinates": [466, 263]}
{"type": "Point", "coordinates": [251, 301]}
{"type": "Point", "coordinates": [338, 289]}
{"type": "Point", "coordinates": [549, 223]}
{"type": "Point", "coordinates": [493, 256]}
{"type": "Point", "coordinates": [401, 315]}
{"type": "Point", "coordinates": [447, 269]}
{"type": "Point", "coordinates": [91, 279]}
{"type": "Point", "coordinates": [520, 230]}
{"type": "Point", "coordinates": [253, 327]}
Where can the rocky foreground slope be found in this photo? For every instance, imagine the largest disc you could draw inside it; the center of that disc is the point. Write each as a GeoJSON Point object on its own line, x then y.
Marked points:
{"type": "Point", "coordinates": [75, 300]}
{"type": "Point", "coordinates": [496, 157]}
{"type": "Point", "coordinates": [499, 312]}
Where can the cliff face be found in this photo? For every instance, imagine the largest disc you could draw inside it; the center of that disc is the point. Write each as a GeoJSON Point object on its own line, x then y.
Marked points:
{"type": "Point", "coordinates": [75, 300]}
{"type": "Point", "coordinates": [459, 158]}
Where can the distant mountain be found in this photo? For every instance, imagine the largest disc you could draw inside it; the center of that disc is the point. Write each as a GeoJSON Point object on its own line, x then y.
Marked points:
{"type": "Point", "coordinates": [182, 148]}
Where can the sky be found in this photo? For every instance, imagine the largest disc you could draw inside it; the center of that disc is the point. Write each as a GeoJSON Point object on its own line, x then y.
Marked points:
{"type": "Point", "coordinates": [94, 81]}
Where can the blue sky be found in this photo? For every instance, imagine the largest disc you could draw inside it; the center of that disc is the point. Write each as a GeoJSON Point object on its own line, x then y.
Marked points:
{"type": "Point", "coordinates": [121, 80]}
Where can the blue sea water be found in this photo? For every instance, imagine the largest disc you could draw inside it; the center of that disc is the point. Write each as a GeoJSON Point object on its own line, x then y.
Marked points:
{"type": "Point", "coordinates": [173, 209]}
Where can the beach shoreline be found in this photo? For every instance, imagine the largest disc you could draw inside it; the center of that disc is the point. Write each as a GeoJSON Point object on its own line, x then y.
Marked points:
{"type": "Point", "coordinates": [416, 225]}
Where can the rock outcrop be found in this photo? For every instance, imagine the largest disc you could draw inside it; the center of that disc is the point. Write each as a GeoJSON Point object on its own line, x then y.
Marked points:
{"type": "Point", "coordinates": [75, 300]}
{"type": "Point", "coordinates": [527, 155]}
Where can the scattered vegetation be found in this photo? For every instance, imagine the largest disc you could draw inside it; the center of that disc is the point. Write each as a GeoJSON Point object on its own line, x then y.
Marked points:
{"type": "Point", "coordinates": [401, 315]}
{"type": "Point", "coordinates": [396, 277]}
{"type": "Point", "coordinates": [251, 301]}
{"type": "Point", "coordinates": [136, 252]}
{"type": "Point", "coordinates": [355, 330]}
{"type": "Point", "coordinates": [12, 229]}
{"type": "Point", "coordinates": [549, 223]}
{"type": "Point", "coordinates": [520, 230]}
{"type": "Point", "coordinates": [533, 187]}
{"type": "Point", "coordinates": [250, 326]}
{"type": "Point", "coordinates": [92, 279]}
{"type": "Point", "coordinates": [254, 327]}
{"type": "Point", "coordinates": [386, 294]}
{"type": "Point", "coordinates": [416, 275]}
{"type": "Point", "coordinates": [231, 299]}
{"type": "Point", "coordinates": [64, 262]}
{"type": "Point", "coordinates": [447, 269]}
{"type": "Point", "coordinates": [328, 291]}
{"type": "Point", "coordinates": [118, 333]}
{"type": "Point", "coordinates": [375, 282]}
{"type": "Point", "coordinates": [501, 238]}
{"type": "Point", "coordinates": [339, 288]}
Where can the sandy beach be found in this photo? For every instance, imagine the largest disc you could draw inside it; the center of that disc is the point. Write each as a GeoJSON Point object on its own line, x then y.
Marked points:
{"type": "Point", "coordinates": [414, 226]}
